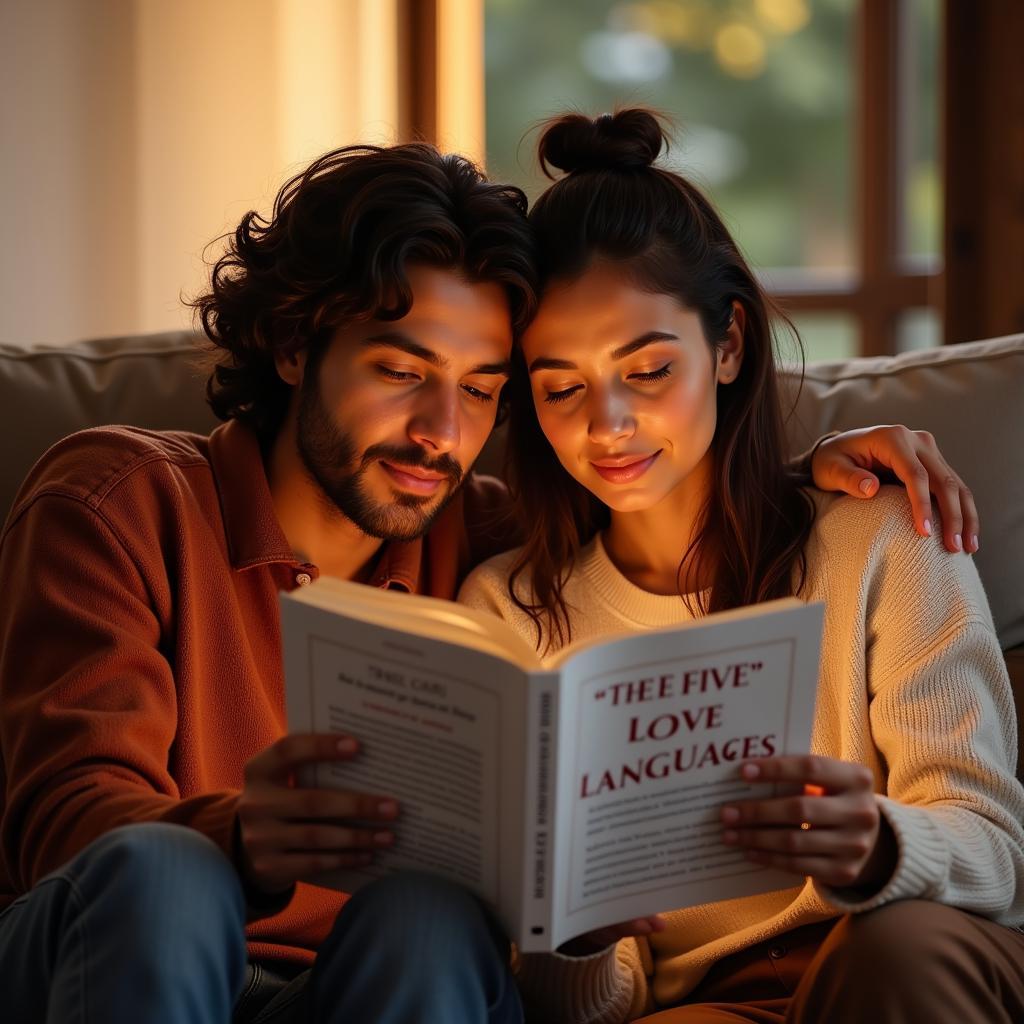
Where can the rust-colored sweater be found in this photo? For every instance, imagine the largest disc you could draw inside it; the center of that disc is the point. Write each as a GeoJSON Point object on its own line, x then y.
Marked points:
{"type": "Point", "coordinates": [140, 649]}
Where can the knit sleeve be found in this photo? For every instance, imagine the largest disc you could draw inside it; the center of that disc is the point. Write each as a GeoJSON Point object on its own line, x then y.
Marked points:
{"type": "Point", "coordinates": [610, 987]}
{"type": "Point", "coordinates": [943, 721]}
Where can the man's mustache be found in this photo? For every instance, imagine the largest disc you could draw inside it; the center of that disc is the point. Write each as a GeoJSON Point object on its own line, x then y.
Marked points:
{"type": "Point", "coordinates": [414, 455]}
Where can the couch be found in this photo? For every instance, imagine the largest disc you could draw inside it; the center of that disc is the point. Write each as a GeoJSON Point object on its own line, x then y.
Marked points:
{"type": "Point", "coordinates": [971, 397]}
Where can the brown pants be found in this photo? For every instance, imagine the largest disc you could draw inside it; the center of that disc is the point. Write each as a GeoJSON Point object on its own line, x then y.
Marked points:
{"type": "Point", "coordinates": [912, 962]}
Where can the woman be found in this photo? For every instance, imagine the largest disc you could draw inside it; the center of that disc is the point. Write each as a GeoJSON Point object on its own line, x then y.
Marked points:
{"type": "Point", "coordinates": [646, 453]}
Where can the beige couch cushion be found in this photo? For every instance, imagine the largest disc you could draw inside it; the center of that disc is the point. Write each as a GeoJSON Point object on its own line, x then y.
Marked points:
{"type": "Point", "coordinates": [47, 393]}
{"type": "Point", "coordinates": [971, 397]}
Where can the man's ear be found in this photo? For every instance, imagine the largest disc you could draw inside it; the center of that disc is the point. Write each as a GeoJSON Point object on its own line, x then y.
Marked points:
{"type": "Point", "coordinates": [730, 352]}
{"type": "Point", "coordinates": [291, 366]}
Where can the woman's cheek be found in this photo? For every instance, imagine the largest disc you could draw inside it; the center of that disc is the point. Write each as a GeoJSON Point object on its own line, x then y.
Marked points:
{"type": "Point", "coordinates": [562, 438]}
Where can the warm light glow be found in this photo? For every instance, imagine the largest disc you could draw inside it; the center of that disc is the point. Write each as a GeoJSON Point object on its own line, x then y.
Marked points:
{"type": "Point", "coordinates": [377, 33]}
{"type": "Point", "coordinates": [460, 78]}
{"type": "Point", "coordinates": [337, 75]}
{"type": "Point", "coordinates": [688, 23]}
{"type": "Point", "coordinates": [783, 16]}
{"type": "Point", "coordinates": [740, 50]}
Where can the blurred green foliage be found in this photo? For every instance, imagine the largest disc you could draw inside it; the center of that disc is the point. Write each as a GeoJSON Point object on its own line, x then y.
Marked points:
{"type": "Point", "coordinates": [774, 149]}
{"type": "Point", "coordinates": [773, 145]}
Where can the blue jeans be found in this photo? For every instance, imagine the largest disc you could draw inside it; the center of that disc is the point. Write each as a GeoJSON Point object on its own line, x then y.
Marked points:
{"type": "Point", "coordinates": [147, 924]}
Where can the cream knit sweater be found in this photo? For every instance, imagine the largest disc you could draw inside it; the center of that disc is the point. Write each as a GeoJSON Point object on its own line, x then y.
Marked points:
{"type": "Point", "coordinates": [912, 685]}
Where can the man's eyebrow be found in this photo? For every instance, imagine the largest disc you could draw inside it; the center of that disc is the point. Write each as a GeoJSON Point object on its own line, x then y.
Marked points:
{"type": "Point", "coordinates": [503, 369]}
{"type": "Point", "coordinates": [544, 363]}
{"type": "Point", "coordinates": [395, 339]}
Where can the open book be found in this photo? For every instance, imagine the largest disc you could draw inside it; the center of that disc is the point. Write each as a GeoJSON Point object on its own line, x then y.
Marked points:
{"type": "Point", "coordinates": [568, 795]}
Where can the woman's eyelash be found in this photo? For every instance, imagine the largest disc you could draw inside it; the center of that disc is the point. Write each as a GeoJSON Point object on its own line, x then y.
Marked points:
{"type": "Point", "coordinates": [553, 397]}
{"type": "Point", "coordinates": [659, 374]}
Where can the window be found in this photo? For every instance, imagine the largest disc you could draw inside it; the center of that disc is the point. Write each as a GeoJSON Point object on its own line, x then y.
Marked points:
{"type": "Point", "coordinates": [813, 124]}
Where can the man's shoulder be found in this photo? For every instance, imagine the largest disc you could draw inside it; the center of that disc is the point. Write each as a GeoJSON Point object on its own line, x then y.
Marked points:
{"type": "Point", "coordinates": [89, 465]}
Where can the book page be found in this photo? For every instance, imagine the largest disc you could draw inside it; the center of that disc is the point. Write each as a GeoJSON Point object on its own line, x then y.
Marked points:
{"type": "Point", "coordinates": [440, 729]}
{"type": "Point", "coordinates": [421, 616]}
{"type": "Point", "coordinates": [653, 730]}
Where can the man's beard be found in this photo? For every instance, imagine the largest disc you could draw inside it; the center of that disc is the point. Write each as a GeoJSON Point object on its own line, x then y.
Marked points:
{"type": "Point", "coordinates": [331, 459]}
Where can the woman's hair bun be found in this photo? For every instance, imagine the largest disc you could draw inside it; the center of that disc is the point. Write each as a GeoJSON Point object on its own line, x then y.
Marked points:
{"type": "Point", "coordinates": [627, 139]}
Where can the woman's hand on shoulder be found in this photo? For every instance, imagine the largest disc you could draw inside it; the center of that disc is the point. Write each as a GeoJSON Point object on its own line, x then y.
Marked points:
{"type": "Point", "coordinates": [831, 831]}
{"type": "Point", "coordinates": [852, 461]}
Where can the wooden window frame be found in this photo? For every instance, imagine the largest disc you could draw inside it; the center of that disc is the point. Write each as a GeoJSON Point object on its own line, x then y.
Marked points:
{"type": "Point", "coordinates": [976, 286]}
{"type": "Point", "coordinates": [881, 284]}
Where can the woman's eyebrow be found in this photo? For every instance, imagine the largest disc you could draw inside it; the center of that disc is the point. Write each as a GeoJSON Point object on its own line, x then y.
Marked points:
{"type": "Point", "coordinates": [544, 363]}
{"type": "Point", "coordinates": [638, 343]}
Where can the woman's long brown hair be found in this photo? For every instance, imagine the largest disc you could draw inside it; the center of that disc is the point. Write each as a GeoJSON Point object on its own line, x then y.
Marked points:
{"type": "Point", "coordinates": [613, 205]}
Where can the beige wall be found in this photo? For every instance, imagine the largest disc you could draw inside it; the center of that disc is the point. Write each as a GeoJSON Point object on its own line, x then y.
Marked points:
{"type": "Point", "coordinates": [134, 132]}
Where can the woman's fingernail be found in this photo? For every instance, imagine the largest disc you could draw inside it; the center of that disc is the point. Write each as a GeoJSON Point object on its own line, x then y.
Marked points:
{"type": "Point", "coordinates": [974, 542]}
{"type": "Point", "coordinates": [927, 527]}
{"type": "Point", "coordinates": [751, 771]}
{"type": "Point", "coordinates": [387, 808]}
{"type": "Point", "coordinates": [957, 543]}
{"type": "Point", "coordinates": [383, 838]}
{"type": "Point", "coordinates": [866, 485]}
{"type": "Point", "coordinates": [347, 746]}
{"type": "Point", "coordinates": [730, 814]}
{"type": "Point", "coordinates": [730, 836]}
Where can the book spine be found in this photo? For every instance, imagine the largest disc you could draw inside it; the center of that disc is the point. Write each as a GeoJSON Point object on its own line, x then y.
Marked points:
{"type": "Point", "coordinates": [539, 789]}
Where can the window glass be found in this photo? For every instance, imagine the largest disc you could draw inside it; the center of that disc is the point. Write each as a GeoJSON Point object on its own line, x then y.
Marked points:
{"type": "Point", "coordinates": [920, 178]}
{"type": "Point", "coordinates": [761, 92]}
{"type": "Point", "coordinates": [918, 328]}
{"type": "Point", "coordinates": [825, 337]}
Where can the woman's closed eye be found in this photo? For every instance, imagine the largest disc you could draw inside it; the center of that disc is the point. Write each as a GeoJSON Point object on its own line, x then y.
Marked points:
{"type": "Point", "coordinates": [650, 376]}
{"type": "Point", "coordinates": [553, 397]}
{"type": "Point", "coordinates": [639, 377]}
{"type": "Point", "coordinates": [563, 395]}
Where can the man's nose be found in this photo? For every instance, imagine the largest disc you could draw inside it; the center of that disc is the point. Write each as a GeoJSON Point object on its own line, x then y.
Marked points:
{"type": "Point", "coordinates": [435, 423]}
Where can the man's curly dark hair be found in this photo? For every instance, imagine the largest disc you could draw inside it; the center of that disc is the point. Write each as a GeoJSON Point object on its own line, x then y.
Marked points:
{"type": "Point", "coordinates": [337, 248]}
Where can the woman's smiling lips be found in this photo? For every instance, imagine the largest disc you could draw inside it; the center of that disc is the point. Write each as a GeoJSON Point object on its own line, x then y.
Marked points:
{"type": "Point", "coordinates": [624, 469]}
{"type": "Point", "coordinates": [414, 478]}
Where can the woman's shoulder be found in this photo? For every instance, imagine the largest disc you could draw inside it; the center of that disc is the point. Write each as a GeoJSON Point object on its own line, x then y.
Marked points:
{"type": "Point", "coordinates": [870, 548]}
{"type": "Point", "coordinates": [496, 567]}
{"type": "Point", "coordinates": [862, 523]}
{"type": "Point", "coordinates": [490, 578]}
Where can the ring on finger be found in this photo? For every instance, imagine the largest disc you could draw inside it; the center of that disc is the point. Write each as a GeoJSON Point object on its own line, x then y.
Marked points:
{"type": "Point", "coordinates": [805, 826]}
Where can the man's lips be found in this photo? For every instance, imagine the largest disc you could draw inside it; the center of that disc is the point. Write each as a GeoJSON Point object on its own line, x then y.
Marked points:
{"type": "Point", "coordinates": [623, 469]}
{"type": "Point", "coordinates": [414, 478]}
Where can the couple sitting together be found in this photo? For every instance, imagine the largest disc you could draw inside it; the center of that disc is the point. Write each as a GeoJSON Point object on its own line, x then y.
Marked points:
{"type": "Point", "coordinates": [156, 844]}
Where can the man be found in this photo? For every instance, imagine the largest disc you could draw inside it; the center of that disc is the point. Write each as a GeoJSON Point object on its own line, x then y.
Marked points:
{"type": "Point", "coordinates": [149, 814]}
